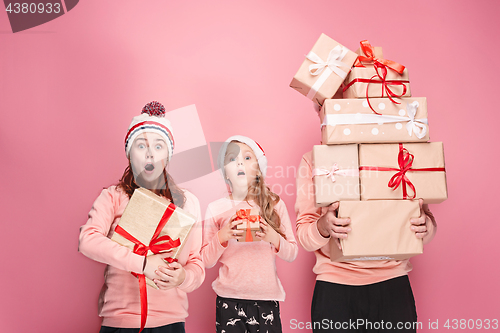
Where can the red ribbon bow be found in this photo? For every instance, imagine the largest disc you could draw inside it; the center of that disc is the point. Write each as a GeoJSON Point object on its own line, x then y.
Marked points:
{"type": "Point", "coordinates": [244, 214]}
{"type": "Point", "coordinates": [156, 245]}
{"type": "Point", "coordinates": [369, 51]}
{"type": "Point", "coordinates": [382, 74]}
{"type": "Point", "coordinates": [405, 162]}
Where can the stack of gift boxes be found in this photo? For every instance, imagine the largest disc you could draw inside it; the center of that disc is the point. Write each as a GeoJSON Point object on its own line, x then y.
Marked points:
{"type": "Point", "coordinates": [374, 158]}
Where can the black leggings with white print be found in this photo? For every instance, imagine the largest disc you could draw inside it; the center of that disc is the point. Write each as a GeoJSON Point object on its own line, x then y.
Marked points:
{"type": "Point", "coordinates": [242, 315]}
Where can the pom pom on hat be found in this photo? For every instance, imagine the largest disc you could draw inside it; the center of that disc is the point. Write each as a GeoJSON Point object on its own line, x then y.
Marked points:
{"type": "Point", "coordinates": [152, 119]}
{"type": "Point", "coordinates": [154, 109]}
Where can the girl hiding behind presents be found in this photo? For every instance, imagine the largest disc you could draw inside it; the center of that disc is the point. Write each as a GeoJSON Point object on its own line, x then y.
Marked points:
{"type": "Point", "coordinates": [248, 289]}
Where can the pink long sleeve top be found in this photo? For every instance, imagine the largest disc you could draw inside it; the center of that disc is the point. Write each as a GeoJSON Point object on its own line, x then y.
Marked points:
{"type": "Point", "coordinates": [119, 301]}
{"type": "Point", "coordinates": [349, 273]}
{"type": "Point", "coordinates": [248, 270]}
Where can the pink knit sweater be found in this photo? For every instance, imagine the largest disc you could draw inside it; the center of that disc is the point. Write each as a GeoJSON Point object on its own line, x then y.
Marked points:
{"type": "Point", "coordinates": [119, 302]}
{"type": "Point", "coordinates": [248, 270]}
{"type": "Point", "coordinates": [349, 273]}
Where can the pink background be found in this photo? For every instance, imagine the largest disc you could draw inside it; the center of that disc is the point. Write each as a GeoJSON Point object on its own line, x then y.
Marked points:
{"type": "Point", "coordinates": [69, 88]}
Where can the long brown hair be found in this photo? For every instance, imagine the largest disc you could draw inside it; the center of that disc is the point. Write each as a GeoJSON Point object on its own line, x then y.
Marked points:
{"type": "Point", "coordinates": [266, 200]}
{"type": "Point", "coordinates": [171, 191]}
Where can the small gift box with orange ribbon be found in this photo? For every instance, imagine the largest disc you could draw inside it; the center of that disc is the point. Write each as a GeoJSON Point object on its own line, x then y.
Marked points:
{"type": "Point", "coordinates": [403, 171]}
{"type": "Point", "coordinates": [324, 69]}
{"type": "Point", "coordinates": [251, 224]}
{"type": "Point", "coordinates": [152, 224]}
{"type": "Point", "coordinates": [380, 230]}
{"type": "Point", "coordinates": [351, 121]}
{"type": "Point", "coordinates": [335, 173]}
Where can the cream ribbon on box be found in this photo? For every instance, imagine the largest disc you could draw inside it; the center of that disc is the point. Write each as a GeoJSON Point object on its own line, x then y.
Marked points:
{"type": "Point", "coordinates": [335, 171]}
{"type": "Point", "coordinates": [332, 64]}
{"type": "Point", "coordinates": [413, 125]}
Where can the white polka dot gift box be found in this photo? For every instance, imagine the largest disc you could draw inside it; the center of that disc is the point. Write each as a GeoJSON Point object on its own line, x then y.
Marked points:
{"type": "Point", "coordinates": [403, 171]}
{"type": "Point", "coordinates": [376, 235]}
{"type": "Point", "coordinates": [335, 173]}
{"type": "Point", "coordinates": [352, 121]}
{"type": "Point", "coordinates": [324, 69]}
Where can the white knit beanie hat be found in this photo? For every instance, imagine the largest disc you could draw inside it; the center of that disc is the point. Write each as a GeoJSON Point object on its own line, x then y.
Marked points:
{"type": "Point", "coordinates": [257, 150]}
{"type": "Point", "coordinates": [152, 119]}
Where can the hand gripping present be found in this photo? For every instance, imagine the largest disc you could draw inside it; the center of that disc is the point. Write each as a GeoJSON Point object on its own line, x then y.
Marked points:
{"type": "Point", "coordinates": [150, 225]}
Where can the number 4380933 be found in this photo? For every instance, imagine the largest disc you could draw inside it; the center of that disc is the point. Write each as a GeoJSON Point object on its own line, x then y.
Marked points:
{"type": "Point", "coordinates": [470, 324]}
{"type": "Point", "coordinates": [33, 8]}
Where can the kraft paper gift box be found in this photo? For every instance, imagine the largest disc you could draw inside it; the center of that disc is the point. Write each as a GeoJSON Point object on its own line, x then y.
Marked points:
{"type": "Point", "coordinates": [380, 230]}
{"type": "Point", "coordinates": [251, 224]}
{"type": "Point", "coordinates": [403, 171]}
{"type": "Point", "coordinates": [376, 53]}
{"type": "Point", "coordinates": [141, 219]}
{"type": "Point", "coordinates": [389, 83]}
{"type": "Point", "coordinates": [324, 69]}
{"type": "Point", "coordinates": [352, 121]}
{"type": "Point", "coordinates": [335, 173]}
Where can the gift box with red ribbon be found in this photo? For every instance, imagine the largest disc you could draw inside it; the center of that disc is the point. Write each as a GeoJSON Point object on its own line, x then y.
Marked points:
{"type": "Point", "coordinates": [374, 76]}
{"type": "Point", "coordinates": [380, 230]}
{"type": "Point", "coordinates": [403, 171]}
{"type": "Point", "coordinates": [324, 69]}
{"type": "Point", "coordinates": [351, 121]}
{"type": "Point", "coordinates": [376, 81]}
{"type": "Point", "coordinates": [368, 56]}
{"type": "Point", "coordinates": [152, 224]}
{"type": "Point", "coordinates": [251, 224]}
{"type": "Point", "coordinates": [335, 173]}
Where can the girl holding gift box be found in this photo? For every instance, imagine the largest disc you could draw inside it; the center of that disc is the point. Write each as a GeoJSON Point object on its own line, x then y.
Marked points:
{"type": "Point", "coordinates": [370, 291]}
{"type": "Point", "coordinates": [248, 289]}
{"type": "Point", "coordinates": [149, 146]}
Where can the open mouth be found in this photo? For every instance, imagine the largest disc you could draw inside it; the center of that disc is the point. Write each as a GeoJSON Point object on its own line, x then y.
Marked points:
{"type": "Point", "coordinates": [241, 173]}
{"type": "Point", "coordinates": [149, 167]}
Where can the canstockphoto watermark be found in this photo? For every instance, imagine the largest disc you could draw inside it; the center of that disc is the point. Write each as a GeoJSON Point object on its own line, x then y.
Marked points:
{"type": "Point", "coordinates": [327, 324]}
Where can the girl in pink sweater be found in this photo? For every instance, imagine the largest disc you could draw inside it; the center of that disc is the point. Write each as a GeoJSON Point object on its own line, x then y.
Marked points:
{"type": "Point", "coordinates": [248, 289]}
{"type": "Point", "coordinates": [149, 145]}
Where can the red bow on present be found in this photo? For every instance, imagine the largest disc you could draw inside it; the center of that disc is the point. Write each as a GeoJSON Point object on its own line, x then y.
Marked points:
{"type": "Point", "coordinates": [385, 84]}
{"type": "Point", "coordinates": [156, 245]}
{"type": "Point", "coordinates": [369, 52]}
{"type": "Point", "coordinates": [244, 214]}
{"type": "Point", "coordinates": [405, 163]}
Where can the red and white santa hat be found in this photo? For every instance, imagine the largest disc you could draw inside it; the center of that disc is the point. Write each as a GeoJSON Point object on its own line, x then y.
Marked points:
{"type": "Point", "coordinates": [152, 119]}
{"type": "Point", "coordinates": [257, 150]}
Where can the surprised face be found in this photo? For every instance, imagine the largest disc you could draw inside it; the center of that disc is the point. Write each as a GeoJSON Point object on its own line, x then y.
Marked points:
{"type": "Point", "coordinates": [240, 166]}
{"type": "Point", "coordinates": [149, 157]}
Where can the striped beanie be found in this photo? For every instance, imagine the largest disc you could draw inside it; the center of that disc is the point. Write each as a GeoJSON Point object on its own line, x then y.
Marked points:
{"type": "Point", "coordinates": [152, 119]}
